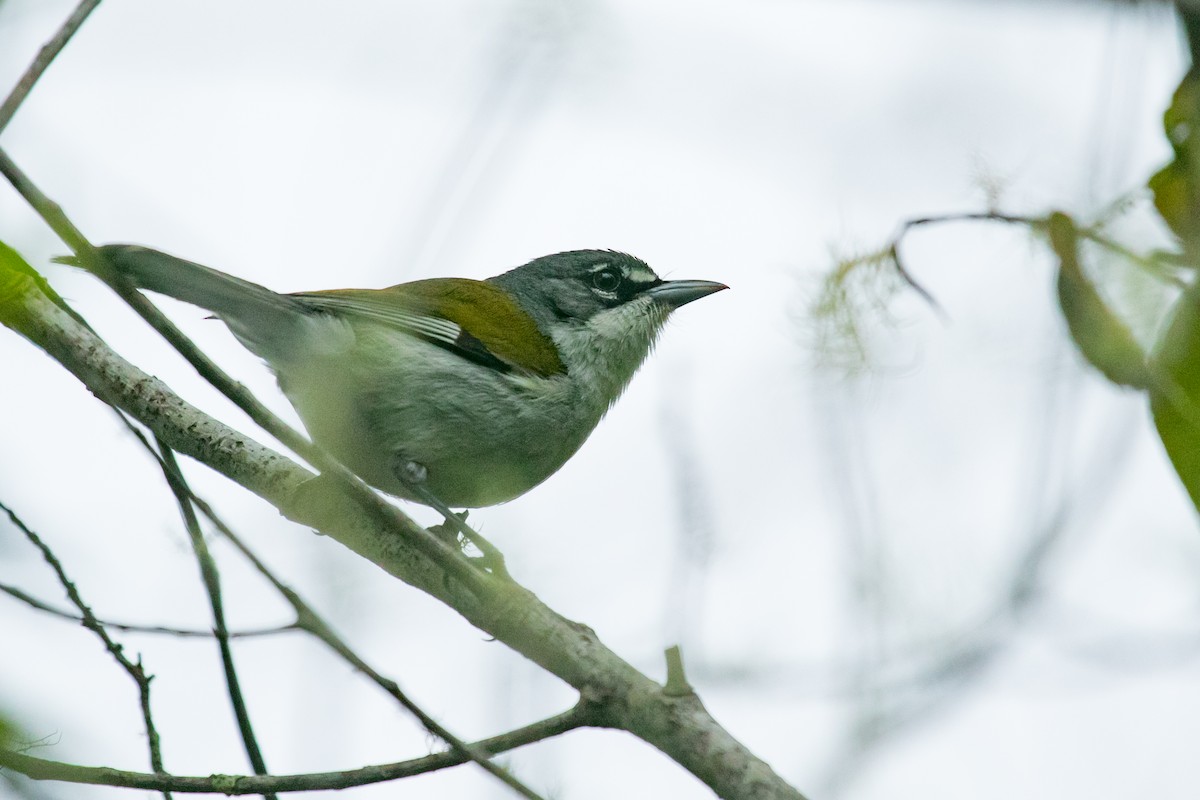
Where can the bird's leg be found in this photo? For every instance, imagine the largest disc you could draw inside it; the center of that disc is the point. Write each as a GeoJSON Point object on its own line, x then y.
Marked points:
{"type": "Point", "coordinates": [414, 476]}
{"type": "Point", "coordinates": [447, 531]}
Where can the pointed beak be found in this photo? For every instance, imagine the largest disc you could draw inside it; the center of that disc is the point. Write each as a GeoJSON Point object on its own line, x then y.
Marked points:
{"type": "Point", "coordinates": [674, 294]}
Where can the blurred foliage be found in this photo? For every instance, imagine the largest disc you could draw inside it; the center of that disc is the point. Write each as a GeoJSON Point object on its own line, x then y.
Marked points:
{"type": "Point", "coordinates": [1101, 336]}
{"type": "Point", "coordinates": [13, 785]}
{"type": "Point", "coordinates": [854, 297]}
{"type": "Point", "coordinates": [1174, 397]}
{"type": "Point", "coordinates": [859, 289]}
{"type": "Point", "coordinates": [1171, 374]}
{"type": "Point", "coordinates": [1176, 186]}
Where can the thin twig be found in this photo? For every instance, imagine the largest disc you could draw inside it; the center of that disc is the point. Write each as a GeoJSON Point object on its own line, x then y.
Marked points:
{"type": "Point", "coordinates": [135, 669]}
{"type": "Point", "coordinates": [430, 545]}
{"type": "Point", "coordinates": [1149, 263]}
{"type": "Point", "coordinates": [317, 627]}
{"type": "Point", "coordinates": [309, 620]}
{"type": "Point", "coordinates": [966, 216]}
{"type": "Point", "coordinates": [906, 276]}
{"type": "Point", "coordinates": [677, 683]}
{"type": "Point", "coordinates": [45, 56]}
{"type": "Point", "coordinates": [893, 246]}
{"type": "Point", "coordinates": [433, 547]}
{"type": "Point", "coordinates": [1093, 233]}
{"type": "Point", "coordinates": [211, 578]}
{"type": "Point", "coordinates": [626, 699]}
{"type": "Point", "coordinates": [184, 633]}
{"type": "Point", "coordinates": [581, 715]}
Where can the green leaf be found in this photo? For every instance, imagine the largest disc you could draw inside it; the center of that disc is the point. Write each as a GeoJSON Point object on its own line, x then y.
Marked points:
{"type": "Point", "coordinates": [16, 279]}
{"type": "Point", "coordinates": [1176, 186]}
{"type": "Point", "coordinates": [15, 272]}
{"type": "Point", "coordinates": [1175, 399]}
{"type": "Point", "coordinates": [1103, 337]}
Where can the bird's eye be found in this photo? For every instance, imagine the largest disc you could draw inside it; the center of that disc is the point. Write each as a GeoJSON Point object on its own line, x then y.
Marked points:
{"type": "Point", "coordinates": [606, 280]}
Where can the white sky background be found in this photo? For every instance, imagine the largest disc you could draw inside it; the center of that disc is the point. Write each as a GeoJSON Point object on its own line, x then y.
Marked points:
{"type": "Point", "coordinates": [822, 523]}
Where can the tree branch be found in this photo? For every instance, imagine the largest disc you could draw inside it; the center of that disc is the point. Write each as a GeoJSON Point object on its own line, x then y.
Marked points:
{"type": "Point", "coordinates": [308, 620]}
{"type": "Point", "coordinates": [210, 576]}
{"type": "Point", "coordinates": [44, 769]}
{"type": "Point", "coordinates": [348, 511]}
{"type": "Point", "coordinates": [184, 633]}
{"type": "Point", "coordinates": [350, 484]}
{"type": "Point", "coordinates": [45, 56]}
{"type": "Point", "coordinates": [679, 726]}
{"type": "Point", "coordinates": [135, 669]}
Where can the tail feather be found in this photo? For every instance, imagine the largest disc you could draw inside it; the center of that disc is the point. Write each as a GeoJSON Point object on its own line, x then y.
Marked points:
{"type": "Point", "coordinates": [194, 283]}
{"type": "Point", "coordinates": [254, 313]}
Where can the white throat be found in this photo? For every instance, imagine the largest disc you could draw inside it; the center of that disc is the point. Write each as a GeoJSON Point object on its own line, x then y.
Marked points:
{"type": "Point", "coordinates": [603, 354]}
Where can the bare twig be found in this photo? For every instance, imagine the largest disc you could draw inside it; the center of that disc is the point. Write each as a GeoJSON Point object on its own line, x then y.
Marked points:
{"type": "Point", "coordinates": [677, 683]}
{"type": "Point", "coordinates": [211, 578]}
{"type": "Point", "coordinates": [893, 246]}
{"type": "Point", "coordinates": [1093, 232]}
{"type": "Point", "coordinates": [963, 216]}
{"type": "Point", "coordinates": [366, 497]}
{"type": "Point", "coordinates": [184, 633]}
{"type": "Point", "coordinates": [1154, 266]}
{"type": "Point", "coordinates": [45, 56]}
{"type": "Point", "coordinates": [430, 545]}
{"type": "Point", "coordinates": [41, 769]}
{"type": "Point", "coordinates": [680, 727]}
{"type": "Point", "coordinates": [308, 620]}
{"type": "Point", "coordinates": [135, 669]}
{"type": "Point", "coordinates": [312, 623]}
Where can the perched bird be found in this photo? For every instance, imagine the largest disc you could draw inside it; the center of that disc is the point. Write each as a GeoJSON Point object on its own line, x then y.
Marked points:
{"type": "Point", "coordinates": [471, 391]}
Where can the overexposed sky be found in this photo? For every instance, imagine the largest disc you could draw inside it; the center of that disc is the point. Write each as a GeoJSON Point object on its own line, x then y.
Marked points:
{"type": "Point", "coordinates": [786, 524]}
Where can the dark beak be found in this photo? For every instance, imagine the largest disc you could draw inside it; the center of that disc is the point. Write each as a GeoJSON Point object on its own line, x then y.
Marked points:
{"type": "Point", "coordinates": [674, 294]}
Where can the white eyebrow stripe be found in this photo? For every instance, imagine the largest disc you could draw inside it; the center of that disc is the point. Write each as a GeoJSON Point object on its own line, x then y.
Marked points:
{"type": "Point", "coordinates": [638, 273]}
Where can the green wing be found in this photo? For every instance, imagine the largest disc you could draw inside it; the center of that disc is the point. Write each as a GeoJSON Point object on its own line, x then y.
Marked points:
{"type": "Point", "coordinates": [473, 319]}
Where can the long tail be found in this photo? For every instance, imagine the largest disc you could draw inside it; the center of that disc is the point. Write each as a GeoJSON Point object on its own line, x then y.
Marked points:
{"type": "Point", "coordinates": [254, 313]}
{"type": "Point", "coordinates": [219, 292]}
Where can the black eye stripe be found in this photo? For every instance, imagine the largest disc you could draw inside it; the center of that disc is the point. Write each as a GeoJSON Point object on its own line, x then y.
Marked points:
{"type": "Point", "coordinates": [615, 285]}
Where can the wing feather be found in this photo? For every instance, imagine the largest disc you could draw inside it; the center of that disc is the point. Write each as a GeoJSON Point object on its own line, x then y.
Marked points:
{"type": "Point", "coordinates": [472, 319]}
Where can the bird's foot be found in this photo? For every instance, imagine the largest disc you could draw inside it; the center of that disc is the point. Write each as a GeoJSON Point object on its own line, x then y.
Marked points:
{"type": "Point", "coordinates": [448, 531]}
{"type": "Point", "coordinates": [454, 529]}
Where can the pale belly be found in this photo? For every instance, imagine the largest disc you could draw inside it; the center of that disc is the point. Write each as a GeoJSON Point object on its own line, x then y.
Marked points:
{"type": "Point", "coordinates": [483, 437]}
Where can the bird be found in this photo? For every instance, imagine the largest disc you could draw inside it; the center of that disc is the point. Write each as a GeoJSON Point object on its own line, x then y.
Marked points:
{"type": "Point", "coordinates": [451, 392]}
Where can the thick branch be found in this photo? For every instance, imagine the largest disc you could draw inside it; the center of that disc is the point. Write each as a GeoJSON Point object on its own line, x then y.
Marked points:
{"type": "Point", "coordinates": [307, 620]}
{"type": "Point", "coordinates": [679, 726]}
{"type": "Point", "coordinates": [87, 256]}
